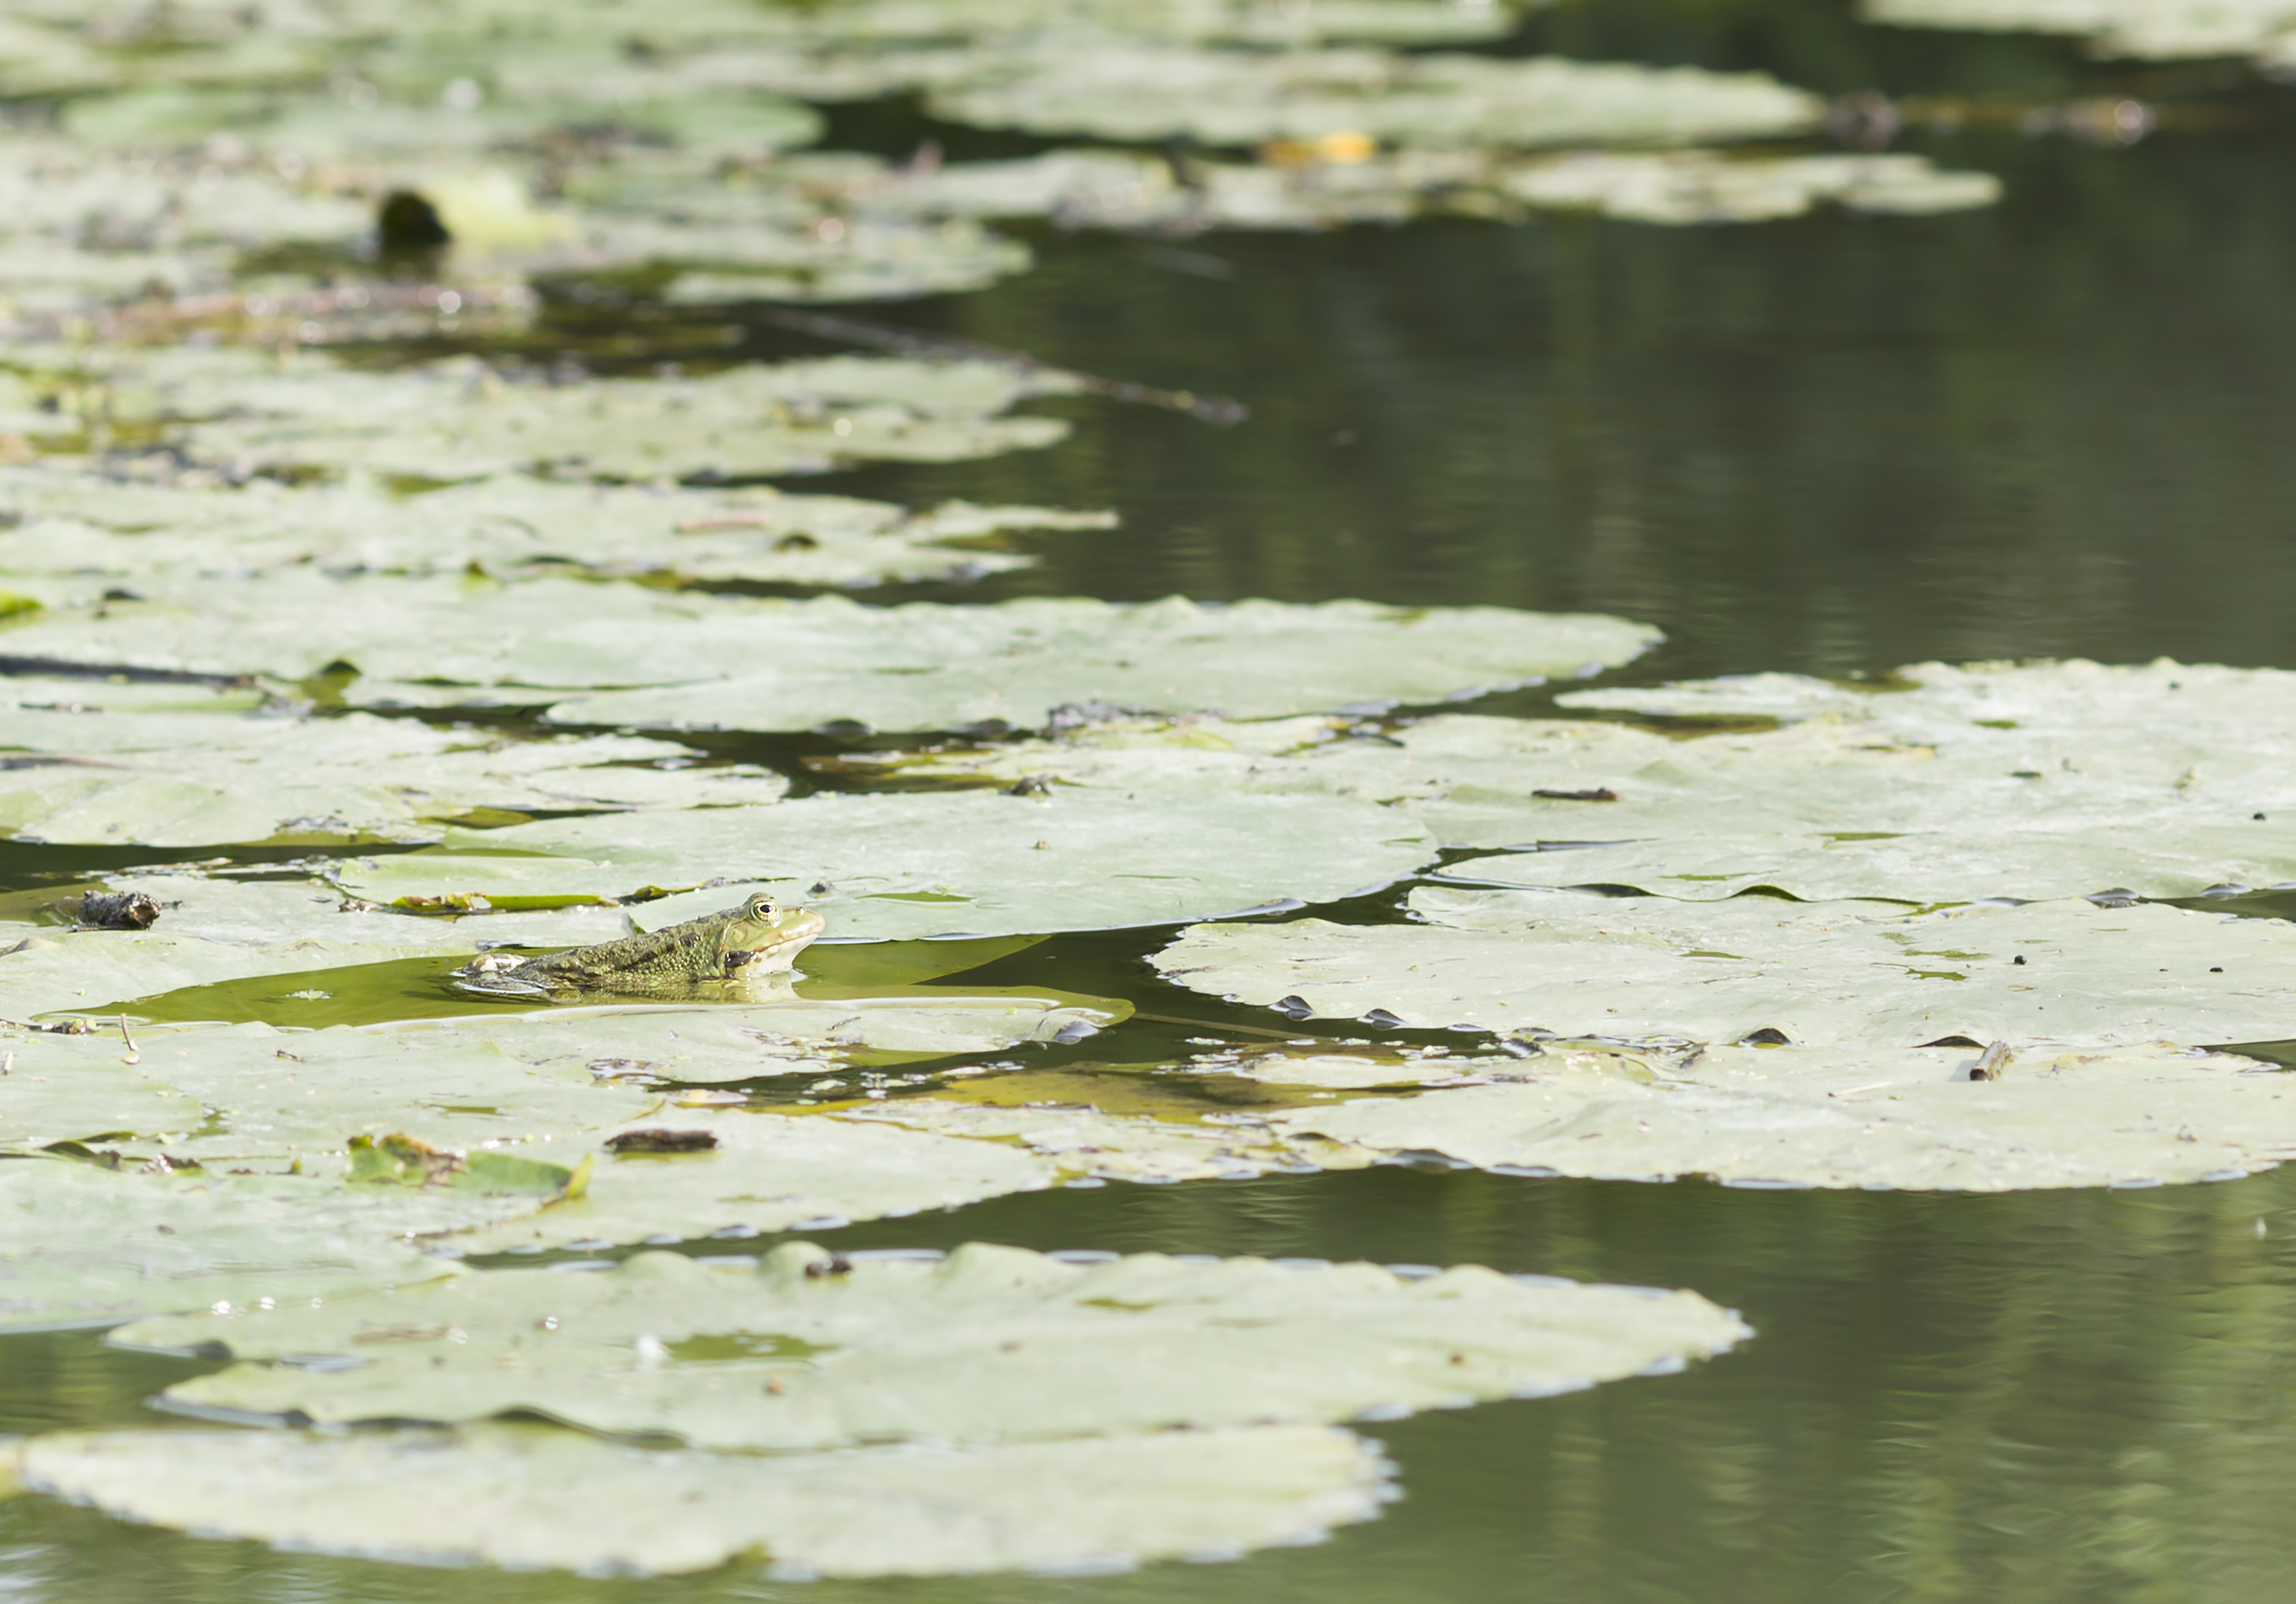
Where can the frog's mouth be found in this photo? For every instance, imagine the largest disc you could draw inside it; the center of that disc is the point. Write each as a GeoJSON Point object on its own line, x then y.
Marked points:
{"type": "Point", "coordinates": [790, 935]}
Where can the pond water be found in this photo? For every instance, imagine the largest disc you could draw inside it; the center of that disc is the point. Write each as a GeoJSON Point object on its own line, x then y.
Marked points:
{"type": "Point", "coordinates": [2055, 427]}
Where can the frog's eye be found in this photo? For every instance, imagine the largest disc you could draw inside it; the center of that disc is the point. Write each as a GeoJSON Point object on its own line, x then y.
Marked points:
{"type": "Point", "coordinates": [763, 906]}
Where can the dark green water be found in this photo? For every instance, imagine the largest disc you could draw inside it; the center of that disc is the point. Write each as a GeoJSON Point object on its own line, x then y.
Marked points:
{"type": "Point", "coordinates": [1833, 446]}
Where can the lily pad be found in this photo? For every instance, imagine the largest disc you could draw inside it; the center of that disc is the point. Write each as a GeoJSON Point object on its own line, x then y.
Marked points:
{"type": "Point", "coordinates": [988, 1344]}
{"type": "Point", "coordinates": [1831, 975]}
{"type": "Point", "coordinates": [78, 524]}
{"type": "Point", "coordinates": [217, 930]}
{"type": "Point", "coordinates": [1082, 1140]}
{"type": "Point", "coordinates": [82, 1245]}
{"type": "Point", "coordinates": [1703, 186]}
{"type": "Point", "coordinates": [455, 421]}
{"type": "Point", "coordinates": [1861, 1116]}
{"type": "Point", "coordinates": [765, 1173]}
{"type": "Point", "coordinates": [168, 780]}
{"type": "Point", "coordinates": [904, 866]}
{"type": "Point", "coordinates": [1145, 91]}
{"type": "Point", "coordinates": [535, 1498]}
{"type": "Point", "coordinates": [2149, 30]}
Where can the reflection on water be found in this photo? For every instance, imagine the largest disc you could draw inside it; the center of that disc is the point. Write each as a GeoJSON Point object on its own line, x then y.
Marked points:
{"type": "Point", "coordinates": [2056, 1396]}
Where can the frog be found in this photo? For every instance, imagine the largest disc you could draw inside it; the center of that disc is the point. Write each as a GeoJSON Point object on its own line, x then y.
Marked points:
{"type": "Point", "coordinates": [758, 938]}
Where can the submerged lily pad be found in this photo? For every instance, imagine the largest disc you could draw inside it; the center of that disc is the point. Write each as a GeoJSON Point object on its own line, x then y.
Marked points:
{"type": "Point", "coordinates": [1910, 1118]}
{"type": "Point", "coordinates": [903, 866]}
{"type": "Point", "coordinates": [1142, 92]}
{"type": "Point", "coordinates": [988, 1344]}
{"type": "Point", "coordinates": [1835, 974]}
{"type": "Point", "coordinates": [536, 1498]}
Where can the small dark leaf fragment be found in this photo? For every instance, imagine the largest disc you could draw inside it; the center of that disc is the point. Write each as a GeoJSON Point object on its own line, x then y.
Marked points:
{"type": "Point", "coordinates": [1955, 1041]}
{"type": "Point", "coordinates": [1381, 1019]}
{"type": "Point", "coordinates": [1767, 1037]}
{"type": "Point", "coordinates": [1600, 794]}
{"type": "Point", "coordinates": [1031, 785]}
{"type": "Point", "coordinates": [836, 1263]}
{"type": "Point", "coordinates": [661, 1142]}
{"type": "Point", "coordinates": [407, 222]}
{"type": "Point", "coordinates": [1295, 1005]}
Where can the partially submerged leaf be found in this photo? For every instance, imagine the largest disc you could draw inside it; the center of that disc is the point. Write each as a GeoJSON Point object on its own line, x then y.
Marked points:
{"type": "Point", "coordinates": [918, 864]}
{"type": "Point", "coordinates": [400, 1160]}
{"type": "Point", "coordinates": [988, 1344]}
{"type": "Point", "coordinates": [536, 1498]}
{"type": "Point", "coordinates": [1835, 975]}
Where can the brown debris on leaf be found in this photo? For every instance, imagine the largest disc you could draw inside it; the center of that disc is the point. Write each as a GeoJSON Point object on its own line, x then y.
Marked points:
{"type": "Point", "coordinates": [659, 1141]}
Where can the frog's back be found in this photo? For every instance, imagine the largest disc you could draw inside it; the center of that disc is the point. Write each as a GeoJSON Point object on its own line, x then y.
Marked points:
{"type": "Point", "coordinates": [682, 952]}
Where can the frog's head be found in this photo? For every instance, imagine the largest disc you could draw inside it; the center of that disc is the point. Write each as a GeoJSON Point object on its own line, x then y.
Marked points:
{"type": "Point", "coordinates": [762, 937]}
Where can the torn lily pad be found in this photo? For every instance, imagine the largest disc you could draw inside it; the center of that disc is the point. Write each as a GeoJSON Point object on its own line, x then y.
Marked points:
{"type": "Point", "coordinates": [765, 1173]}
{"type": "Point", "coordinates": [988, 1344]}
{"type": "Point", "coordinates": [538, 1497]}
{"type": "Point", "coordinates": [72, 523]}
{"type": "Point", "coordinates": [1912, 1117]}
{"type": "Point", "coordinates": [1143, 92]}
{"type": "Point", "coordinates": [908, 865]}
{"type": "Point", "coordinates": [1831, 975]}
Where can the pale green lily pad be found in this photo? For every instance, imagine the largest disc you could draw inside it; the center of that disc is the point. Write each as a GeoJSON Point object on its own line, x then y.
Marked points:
{"type": "Point", "coordinates": [1833, 975]}
{"type": "Point", "coordinates": [987, 1345]}
{"type": "Point", "coordinates": [920, 666]}
{"type": "Point", "coordinates": [1860, 1117]}
{"type": "Point", "coordinates": [1143, 92]}
{"type": "Point", "coordinates": [1702, 187]}
{"type": "Point", "coordinates": [65, 191]}
{"type": "Point", "coordinates": [1019, 660]}
{"type": "Point", "coordinates": [2104, 794]}
{"type": "Point", "coordinates": [765, 1173]}
{"type": "Point", "coordinates": [218, 930]}
{"type": "Point", "coordinates": [903, 866]}
{"type": "Point", "coordinates": [1315, 187]}
{"type": "Point", "coordinates": [81, 1245]}
{"type": "Point", "coordinates": [533, 1498]}
{"type": "Point", "coordinates": [173, 780]}
{"type": "Point", "coordinates": [253, 1095]}
{"type": "Point", "coordinates": [2149, 30]}
{"type": "Point", "coordinates": [455, 421]}
{"type": "Point", "coordinates": [77, 524]}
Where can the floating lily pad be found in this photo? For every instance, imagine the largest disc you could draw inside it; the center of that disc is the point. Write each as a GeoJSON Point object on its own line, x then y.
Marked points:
{"type": "Point", "coordinates": [1830, 1116]}
{"type": "Point", "coordinates": [903, 866]}
{"type": "Point", "coordinates": [988, 1344]}
{"type": "Point", "coordinates": [1833, 975]}
{"type": "Point", "coordinates": [161, 779]}
{"type": "Point", "coordinates": [769, 1172]}
{"type": "Point", "coordinates": [535, 1498]}
{"type": "Point", "coordinates": [1143, 93]}
{"type": "Point", "coordinates": [1082, 1140]}
{"type": "Point", "coordinates": [217, 930]}
{"type": "Point", "coordinates": [79, 524]}
{"type": "Point", "coordinates": [2149, 30]}
{"type": "Point", "coordinates": [1702, 186]}
{"type": "Point", "coordinates": [455, 421]}
{"type": "Point", "coordinates": [84, 1245]}
{"type": "Point", "coordinates": [1018, 662]}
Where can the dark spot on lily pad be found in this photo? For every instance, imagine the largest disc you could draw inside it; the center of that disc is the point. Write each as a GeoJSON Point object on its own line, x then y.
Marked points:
{"type": "Point", "coordinates": [1599, 794]}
